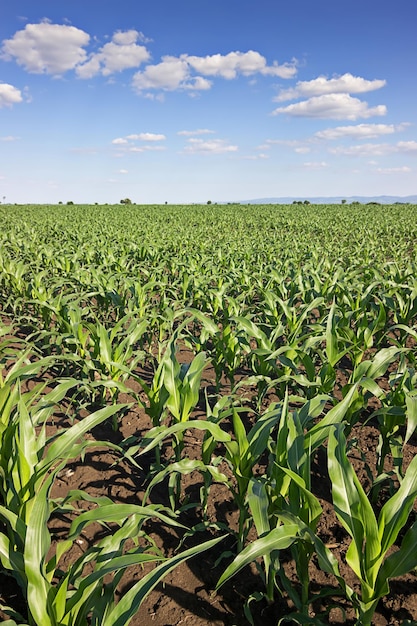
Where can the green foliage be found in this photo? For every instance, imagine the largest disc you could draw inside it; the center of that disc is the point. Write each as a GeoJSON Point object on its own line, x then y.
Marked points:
{"type": "Point", "coordinates": [277, 321]}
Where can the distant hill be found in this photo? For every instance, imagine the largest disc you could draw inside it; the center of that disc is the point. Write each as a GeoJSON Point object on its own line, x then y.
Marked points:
{"type": "Point", "coordinates": [334, 199]}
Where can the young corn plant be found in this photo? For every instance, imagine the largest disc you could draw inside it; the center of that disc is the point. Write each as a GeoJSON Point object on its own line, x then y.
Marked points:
{"type": "Point", "coordinates": [174, 470]}
{"type": "Point", "coordinates": [29, 465]}
{"type": "Point", "coordinates": [86, 591]}
{"type": "Point", "coordinates": [242, 454]}
{"type": "Point", "coordinates": [283, 508]}
{"type": "Point", "coordinates": [175, 388]}
{"type": "Point", "coordinates": [369, 553]}
{"type": "Point", "coordinates": [113, 353]}
{"type": "Point", "coordinates": [227, 346]}
{"type": "Point", "coordinates": [397, 419]}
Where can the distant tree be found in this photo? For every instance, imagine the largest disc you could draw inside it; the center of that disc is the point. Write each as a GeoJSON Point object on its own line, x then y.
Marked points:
{"type": "Point", "coordinates": [344, 201]}
{"type": "Point", "coordinates": [307, 202]}
{"type": "Point", "coordinates": [208, 201]}
{"type": "Point", "coordinates": [60, 202]}
{"type": "Point", "coordinates": [126, 201]}
{"type": "Point", "coordinates": [70, 202]}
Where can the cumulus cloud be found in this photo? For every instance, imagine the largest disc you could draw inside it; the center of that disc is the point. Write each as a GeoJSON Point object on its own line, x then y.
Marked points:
{"type": "Point", "coordinates": [335, 106]}
{"type": "Point", "coordinates": [230, 65]}
{"type": "Point", "coordinates": [121, 53]}
{"type": "Point", "coordinates": [360, 131]}
{"type": "Point", "coordinates": [9, 95]}
{"type": "Point", "coordinates": [347, 83]}
{"type": "Point", "coordinates": [47, 48]}
{"type": "Point", "coordinates": [174, 73]}
{"type": "Point", "coordinates": [146, 137]}
{"type": "Point", "coordinates": [8, 138]}
{"type": "Point", "coordinates": [407, 146]}
{"type": "Point", "coordinates": [171, 74]}
{"type": "Point", "coordinates": [120, 141]}
{"type": "Point", "coordinates": [130, 143]}
{"type": "Point", "coordinates": [213, 146]}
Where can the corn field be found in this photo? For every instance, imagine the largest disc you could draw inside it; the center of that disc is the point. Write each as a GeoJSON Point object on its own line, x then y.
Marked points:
{"type": "Point", "coordinates": [219, 396]}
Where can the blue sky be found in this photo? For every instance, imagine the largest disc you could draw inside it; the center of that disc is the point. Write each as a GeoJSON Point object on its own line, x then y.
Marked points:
{"type": "Point", "coordinates": [184, 101]}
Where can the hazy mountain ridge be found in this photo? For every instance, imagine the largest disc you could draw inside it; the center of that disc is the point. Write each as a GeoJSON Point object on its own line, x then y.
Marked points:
{"type": "Point", "coordinates": [334, 199]}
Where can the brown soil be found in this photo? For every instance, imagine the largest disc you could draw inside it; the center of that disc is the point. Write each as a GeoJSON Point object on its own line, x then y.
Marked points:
{"type": "Point", "coordinates": [186, 595]}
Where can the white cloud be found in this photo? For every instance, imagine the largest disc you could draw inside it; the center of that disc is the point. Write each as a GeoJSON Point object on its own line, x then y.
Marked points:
{"type": "Point", "coordinates": [177, 72]}
{"type": "Point", "coordinates": [198, 83]}
{"type": "Point", "coordinates": [172, 73]}
{"type": "Point", "coordinates": [158, 97]}
{"type": "Point", "coordinates": [394, 170]}
{"type": "Point", "coordinates": [146, 148]}
{"type": "Point", "coordinates": [322, 85]}
{"type": "Point", "coordinates": [234, 63]}
{"type": "Point", "coordinates": [375, 149]}
{"type": "Point", "coordinates": [198, 131]}
{"type": "Point", "coordinates": [256, 157]}
{"type": "Point", "coordinates": [127, 37]}
{"type": "Point", "coordinates": [123, 172]}
{"type": "Point", "coordinates": [286, 70]}
{"type": "Point", "coordinates": [315, 165]}
{"type": "Point", "coordinates": [121, 53]}
{"type": "Point", "coordinates": [47, 48]}
{"type": "Point", "coordinates": [9, 95]}
{"type": "Point", "coordinates": [127, 143]}
{"type": "Point", "coordinates": [407, 146]}
{"type": "Point", "coordinates": [364, 149]}
{"type": "Point", "coordinates": [335, 106]}
{"type": "Point", "coordinates": [8, 138]}
{"type": "Point", "coordinates": [213, 146]}
{"type": "Point", "coordinates": [297, 146]}
{"type": "Point", "coordinates": [146, 137]}
{"type": "Point", "coordinates": [360, 131]}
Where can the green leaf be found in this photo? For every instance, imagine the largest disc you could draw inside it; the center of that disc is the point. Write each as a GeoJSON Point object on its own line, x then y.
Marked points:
{"type": "Point", "coordinates": [159, 433]}
{"type": "Point", "coordinates": [353, 508]}
{"type": "Point", "coordinates": [62, 446]}
{"type": "Point", "coordinates": [128, 605]}
{"type": "Point", "coordinates": [277, 539]}
{"type": "Point", "coordinates": [319, 433]}
{"type": "Point", "coordinates": [411, 413]}
{"type": "Point", "coordinates": [395, 512]}
{"type": "Point", "coordinates": [116, 513]}
{"type": "Point", "coordinates": [399, 562]}
{"type": "Point", "coordinates": [37, 544]}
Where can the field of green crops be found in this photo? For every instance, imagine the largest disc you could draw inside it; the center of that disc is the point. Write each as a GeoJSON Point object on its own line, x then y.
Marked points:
{"type": "Point", "coordinates": [259, 357]}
